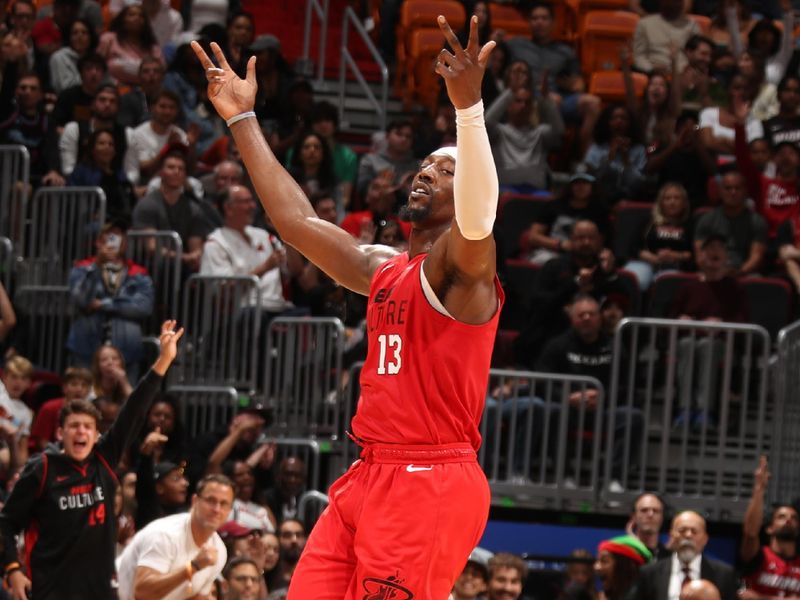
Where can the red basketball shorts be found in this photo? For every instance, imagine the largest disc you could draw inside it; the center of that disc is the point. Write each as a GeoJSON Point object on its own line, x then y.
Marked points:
{"type": "Point", "coordinates": [401, 524]}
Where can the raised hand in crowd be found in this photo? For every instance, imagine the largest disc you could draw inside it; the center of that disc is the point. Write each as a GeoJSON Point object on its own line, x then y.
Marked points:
{"type": "Point", "coordinates": [153, 443]}
{"type": "Point", "coordinates": [169, 346]}
{"type": "Point", "coordinates": [263, 457]}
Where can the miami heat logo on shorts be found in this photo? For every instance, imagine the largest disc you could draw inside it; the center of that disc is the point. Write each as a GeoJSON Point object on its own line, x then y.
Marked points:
{"type": "Point", "coordinates": [385, 589]}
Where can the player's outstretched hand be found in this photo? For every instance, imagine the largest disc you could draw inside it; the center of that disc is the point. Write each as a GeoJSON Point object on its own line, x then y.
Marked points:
{"type": "Point", "coordinates": [463, 69]}
{"type": "Point", "coordinates": [169, 346]}
{"type": "Point", "coordinates": [230, 94]}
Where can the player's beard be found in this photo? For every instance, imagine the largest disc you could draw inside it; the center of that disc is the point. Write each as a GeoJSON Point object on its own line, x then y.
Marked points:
{"type": "Point", "coordinates": [414, 215]}
{"type": "Point", "coordinates": [787, 533]}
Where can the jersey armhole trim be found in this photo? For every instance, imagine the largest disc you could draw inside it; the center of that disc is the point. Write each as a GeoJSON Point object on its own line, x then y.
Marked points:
{"type": "Point", "coordinates": [430, 295]}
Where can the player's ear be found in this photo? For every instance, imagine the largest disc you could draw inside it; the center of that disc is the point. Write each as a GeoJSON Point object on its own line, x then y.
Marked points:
{"type": "Point", "coordinates": [60, 434]}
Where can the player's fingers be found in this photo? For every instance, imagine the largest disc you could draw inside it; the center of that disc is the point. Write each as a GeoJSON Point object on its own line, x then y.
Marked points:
{"type": "Point", "coordinates": [446, 57]}
{"type": "Point", "coordinates": [223, 62]}
{"type": "Point", "coordinates": [178, 334]}
{"type": "Point", "coordinates": [444, 70]}
{"type": "Point", "coordinates": [473, 44]}
{"type": "Point", "coordinates": [449, 35]}
{"type": "Point", "coordinates": [202, 56]}
{"type": "Point", "coordinates": [483, 56]}
{"type": "Point", "coordinates": [251, 70]}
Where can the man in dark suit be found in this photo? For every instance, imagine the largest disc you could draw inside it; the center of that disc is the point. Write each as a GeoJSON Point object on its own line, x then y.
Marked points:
{"type": "Point", "coordinates": [664, 579]}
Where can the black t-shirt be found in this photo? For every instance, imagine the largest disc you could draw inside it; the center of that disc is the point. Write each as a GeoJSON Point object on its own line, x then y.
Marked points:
{"type": "Point", "coordinates": [568, 354]}
{"type": "Point", "coordinates": [559, 216]}
{"type": "Point", "coordinates": [779, 129]}
{"type": "Point", "coordinates": [184, 217]}
{"type": "Point", "coordinates": [670, 237]}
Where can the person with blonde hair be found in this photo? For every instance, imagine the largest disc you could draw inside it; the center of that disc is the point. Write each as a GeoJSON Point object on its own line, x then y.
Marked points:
{"type": "Point", "coordinates": [666, 241]}
{"type": "Point", "coordinates": [16, 418]}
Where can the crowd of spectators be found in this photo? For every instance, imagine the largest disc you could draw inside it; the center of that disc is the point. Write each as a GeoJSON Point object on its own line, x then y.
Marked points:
{"type": "Point", "coordinates": [114, 97]}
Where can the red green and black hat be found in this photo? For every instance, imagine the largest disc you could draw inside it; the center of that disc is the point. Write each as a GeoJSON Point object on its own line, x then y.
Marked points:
{"type": "Point", "coordinates": [629, 546]}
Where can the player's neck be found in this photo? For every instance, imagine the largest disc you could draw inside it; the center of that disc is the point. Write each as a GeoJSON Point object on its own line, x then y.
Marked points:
{"type": "Point", "coordinates": [421, 240]}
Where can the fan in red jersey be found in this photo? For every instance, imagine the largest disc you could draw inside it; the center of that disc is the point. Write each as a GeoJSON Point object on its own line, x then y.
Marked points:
{"type": "Point", "coordinates": [772, 570]}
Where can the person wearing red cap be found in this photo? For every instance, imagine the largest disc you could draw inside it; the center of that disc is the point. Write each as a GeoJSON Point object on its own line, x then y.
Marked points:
{"type": "Point", "coordinates": [618, 563]}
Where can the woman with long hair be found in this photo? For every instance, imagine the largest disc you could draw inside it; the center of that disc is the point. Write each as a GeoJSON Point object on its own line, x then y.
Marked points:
{"type": "Point", "coordinates": [666, 241]}
{"type": "Point", "coordinates": [312, 164]}
{"type": "Point", "coordinates": [617, 156]}
{"type": "Point", "coordinates": [163, 417]}
{"type": "Point", "coordinates": [240, 33]}
{"type": "Point", "coordinates": [660, 106]}
{"type": "Point", "coordinates": [717, 123]}
{"type": "Point", "coordinates": [751, 64]}
{"type": "Point", "coordinates": [109, 379]}
{"type": "Point", "coordinates": [128, 40]}
{"type": "Point", "coordinates": [64, 61]}
{"type": "Point", "coordinates": [617, 565]}
{"type": "Point", "coordinates": [96, 168]}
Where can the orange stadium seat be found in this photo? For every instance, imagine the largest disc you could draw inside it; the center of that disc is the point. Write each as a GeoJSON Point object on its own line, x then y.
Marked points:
{"type": "Point", "coordinates": [703, 22]}
{"type": "Point", "coordinates": [584, 7]}
{"type": "Point", "coordinates": [416, 14]}
{"type": "Point", "coordinates": [421, 81]}
{"type": "Point", "coordinates": [510, 19]}
{"type": "Point", "coordinates": [603, 34]}
{"type": "Point", "coordinates": [566, 22]}
{"type": "Point", "coordinates": [610, 85]}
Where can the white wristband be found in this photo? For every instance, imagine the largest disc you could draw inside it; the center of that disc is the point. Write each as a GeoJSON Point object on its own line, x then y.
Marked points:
{"type": "Point", "coordinates": [240, 117]}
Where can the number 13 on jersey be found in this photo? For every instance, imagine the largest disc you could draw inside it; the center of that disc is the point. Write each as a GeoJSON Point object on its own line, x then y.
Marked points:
{"type": "Point", "coordinates": [389, 361]}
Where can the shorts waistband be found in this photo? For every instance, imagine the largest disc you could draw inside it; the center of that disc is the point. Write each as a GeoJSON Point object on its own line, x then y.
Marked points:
{"type": "Point", "coordinates": [427, 454]}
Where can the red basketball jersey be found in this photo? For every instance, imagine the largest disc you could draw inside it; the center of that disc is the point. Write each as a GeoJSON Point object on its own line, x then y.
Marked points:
{"type": "Point", "coordinates": [775, 576]}
{"type": "Point", "coordinates": [424, 380]}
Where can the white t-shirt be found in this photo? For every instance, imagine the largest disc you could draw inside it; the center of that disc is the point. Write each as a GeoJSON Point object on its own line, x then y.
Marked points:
{"type": "Point", "coordinates": [166, 545]}
{"type": "Point", "coordinates": [227, 252]}
{"type": "Point", "coordinates": [146, 143]}
{"type": "Point", "coordinates": [205, 12]}
{"type": "Point", "coordinates": [709, 119]}
{"type": "Point", "coordinates": [16, 411]}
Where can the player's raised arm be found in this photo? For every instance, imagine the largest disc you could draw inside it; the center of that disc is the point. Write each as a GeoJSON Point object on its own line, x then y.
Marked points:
{"type": "Point", "coordinates": [470, 245]}
{"type": "Point", "coordinates": [326, 245]}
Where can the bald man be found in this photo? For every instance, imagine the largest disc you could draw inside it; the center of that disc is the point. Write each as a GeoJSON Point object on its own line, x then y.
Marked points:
{"type": "Point", "coordinates": [700, 590]}
{"type": "Point", "coordinates": [667, 578]}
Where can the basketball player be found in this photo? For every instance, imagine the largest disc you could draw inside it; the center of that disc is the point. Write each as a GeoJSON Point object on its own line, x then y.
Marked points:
{"type": "Point", "coordinates": [403, 520]}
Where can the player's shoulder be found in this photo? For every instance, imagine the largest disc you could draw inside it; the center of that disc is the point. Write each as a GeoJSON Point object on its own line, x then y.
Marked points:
{"type": "Point", "coordinates": [379, 255]}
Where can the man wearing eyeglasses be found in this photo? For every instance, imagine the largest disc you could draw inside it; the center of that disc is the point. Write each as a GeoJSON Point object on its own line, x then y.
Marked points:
{"type": "Point", "coordinates": [242, 579]}
{"type": "Point", "coordinates": [179, 557]}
